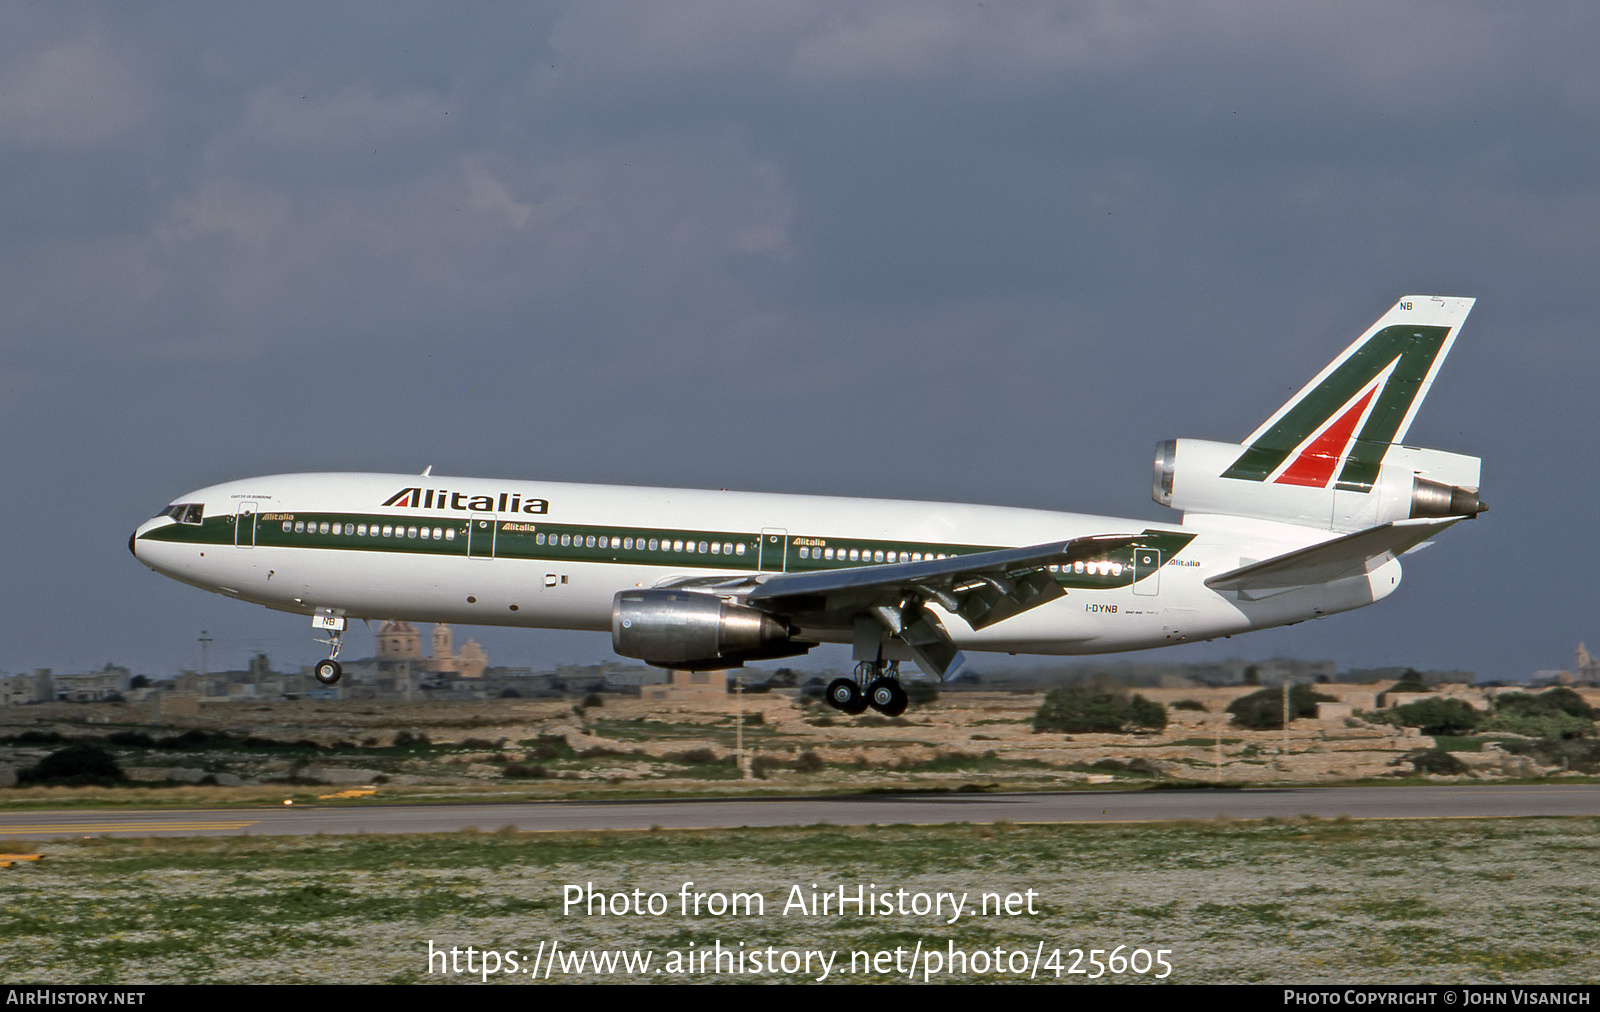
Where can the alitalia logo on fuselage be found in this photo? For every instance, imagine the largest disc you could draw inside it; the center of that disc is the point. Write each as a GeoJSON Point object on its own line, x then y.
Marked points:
{"type": "Point", "coordinates": [444, 499]}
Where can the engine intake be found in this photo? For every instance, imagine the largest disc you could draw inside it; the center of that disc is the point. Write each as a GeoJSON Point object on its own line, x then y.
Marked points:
{"type": "Point", "coordinates": [680, 629]}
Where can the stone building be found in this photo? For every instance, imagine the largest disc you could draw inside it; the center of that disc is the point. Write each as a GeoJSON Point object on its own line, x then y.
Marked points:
{"type": "Point", "coordinates": [400, 650]}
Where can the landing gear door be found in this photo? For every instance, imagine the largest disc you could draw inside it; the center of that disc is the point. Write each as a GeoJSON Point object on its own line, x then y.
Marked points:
{"type": "Point", "coordinates": [244, 526]}
{"type": "Point", "coordinates": [1146, 571]}
{"type": "Point", "coordinates": [480, 536]}
{"type": "Point", "coordinates": [774, 550]}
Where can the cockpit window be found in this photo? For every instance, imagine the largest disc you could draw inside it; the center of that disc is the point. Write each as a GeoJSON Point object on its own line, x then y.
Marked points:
{"type": "Point", "coordinates": [186, 512]}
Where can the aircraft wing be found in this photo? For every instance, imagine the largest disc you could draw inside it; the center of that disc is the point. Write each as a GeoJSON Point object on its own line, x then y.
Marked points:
{"type": "Point", "coordinates": [1330, 560]}
{"type": "Point", "coordinates": [983, 588]}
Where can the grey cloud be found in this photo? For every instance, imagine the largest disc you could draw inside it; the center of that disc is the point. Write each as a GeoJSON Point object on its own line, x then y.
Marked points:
{"type": "Point", "coordinates": [940, 250]}
{"type": "Point", "coordinates": [71, 94]}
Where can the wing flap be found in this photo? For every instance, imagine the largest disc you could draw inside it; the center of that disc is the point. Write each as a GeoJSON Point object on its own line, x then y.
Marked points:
{"type": "Point", "coordinates": [983, 588]}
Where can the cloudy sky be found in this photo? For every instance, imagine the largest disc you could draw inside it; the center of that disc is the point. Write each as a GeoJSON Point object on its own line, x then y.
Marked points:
{"type": "Point", "coordinates": [965, 251]}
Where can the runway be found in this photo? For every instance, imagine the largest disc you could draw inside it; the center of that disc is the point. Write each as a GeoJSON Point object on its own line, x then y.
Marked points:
{"type": "Point", "coordinates": [1429, 802]}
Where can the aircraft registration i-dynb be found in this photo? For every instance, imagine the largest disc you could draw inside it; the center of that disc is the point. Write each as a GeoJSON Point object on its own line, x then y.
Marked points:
{"type": "Point", "coordinates": [1307, 517]}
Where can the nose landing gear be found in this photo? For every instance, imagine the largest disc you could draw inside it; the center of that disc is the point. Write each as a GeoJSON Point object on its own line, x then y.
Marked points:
{"type": "Point", "coordinates": [328, 671]}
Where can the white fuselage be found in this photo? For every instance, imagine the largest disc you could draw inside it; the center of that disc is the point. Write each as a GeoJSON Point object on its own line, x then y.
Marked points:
{"type": "Point", "coordinates": [490, 552]}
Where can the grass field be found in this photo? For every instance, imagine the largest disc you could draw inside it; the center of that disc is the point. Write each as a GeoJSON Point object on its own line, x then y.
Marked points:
{"type": "Point", "coordinates": [1301, 901]}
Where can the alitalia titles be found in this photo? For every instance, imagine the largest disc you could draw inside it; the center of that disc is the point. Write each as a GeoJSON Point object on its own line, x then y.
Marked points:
{"type": "Point", "coordinates": [445, 499]}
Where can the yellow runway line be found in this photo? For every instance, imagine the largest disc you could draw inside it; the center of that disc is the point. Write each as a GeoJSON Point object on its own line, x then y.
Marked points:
{"type": "Point", "coordinates": [119, 827]}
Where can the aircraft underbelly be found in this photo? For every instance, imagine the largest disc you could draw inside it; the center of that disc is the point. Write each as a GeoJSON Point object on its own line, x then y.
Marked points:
{"type": "Point", "coordinates": [533, 593]}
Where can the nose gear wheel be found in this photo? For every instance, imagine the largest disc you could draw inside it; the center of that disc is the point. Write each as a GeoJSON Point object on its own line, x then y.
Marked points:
{"type": "Point", "coordinates": [327, 672]}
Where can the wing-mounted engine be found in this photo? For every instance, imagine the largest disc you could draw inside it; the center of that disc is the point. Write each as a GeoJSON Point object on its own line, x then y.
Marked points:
{"type": "Point", "coordinates": [1201, 476]}
{"type": "Point", "coordinates": [696, 631]}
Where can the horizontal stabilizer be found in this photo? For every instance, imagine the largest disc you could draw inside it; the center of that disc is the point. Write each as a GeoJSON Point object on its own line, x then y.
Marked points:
{"type": "Point", "coordinates": [1330, 560]}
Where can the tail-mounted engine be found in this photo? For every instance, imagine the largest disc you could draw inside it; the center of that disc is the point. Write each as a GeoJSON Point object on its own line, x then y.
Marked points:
{"type": "Point", "coordinates": [695, 631]}
{"type": "Point", "coordinates": [1201, 476]}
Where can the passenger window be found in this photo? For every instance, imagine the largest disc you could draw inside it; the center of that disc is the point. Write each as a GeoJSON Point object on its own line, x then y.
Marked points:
{"type": "Point", "coordinates": [588, 542]}
{"type": "Point", "coordinates": [654, 544]}
{"type": "Point", "coordinates": [739, 548]}
{"type": "Point", "coordinates": [388, 531]}
{"type": "Point", "coordinates": [449, 533]}
{"type": "Point", "coordinates": [411, 532]}
{"type": "Point", "coordinates": [299, 526]}
{"type": "Point", "coordinates": [605, 542]}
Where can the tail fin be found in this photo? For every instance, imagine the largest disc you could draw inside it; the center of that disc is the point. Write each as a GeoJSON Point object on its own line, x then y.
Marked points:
{"type": "Point", "coordinates": [1344, 421]}
{"type": "Point", "coordinates": [1331, 456]}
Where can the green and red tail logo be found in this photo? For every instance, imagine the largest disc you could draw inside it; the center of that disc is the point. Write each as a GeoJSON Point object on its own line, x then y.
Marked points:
{"type": "Point", "coordinates": [1339, 427]}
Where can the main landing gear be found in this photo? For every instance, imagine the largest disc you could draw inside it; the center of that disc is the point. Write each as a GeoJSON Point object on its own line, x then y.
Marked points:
{"type": "Point", "coordinates": [328, 671]}
{"type": "Point", "coordinates": [883, 691]}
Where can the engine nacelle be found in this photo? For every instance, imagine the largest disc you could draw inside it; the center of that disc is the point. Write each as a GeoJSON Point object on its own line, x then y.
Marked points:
{"type": "Point", "coordinates": [1190, 476]}
{"type": "Point", "coordinates": [680, 629]}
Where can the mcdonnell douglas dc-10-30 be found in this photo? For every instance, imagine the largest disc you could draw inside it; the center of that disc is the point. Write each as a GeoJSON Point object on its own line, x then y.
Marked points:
{"type": "Point", "coordinates": [1307, 517]}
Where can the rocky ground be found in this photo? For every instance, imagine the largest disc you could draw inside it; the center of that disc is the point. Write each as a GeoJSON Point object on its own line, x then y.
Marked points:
{"type": "Point", "coordinates": [554, 746]}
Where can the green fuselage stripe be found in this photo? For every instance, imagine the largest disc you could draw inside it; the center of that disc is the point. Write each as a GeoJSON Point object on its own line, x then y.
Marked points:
{"type": "Point", "coordinates": [515, 539]}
